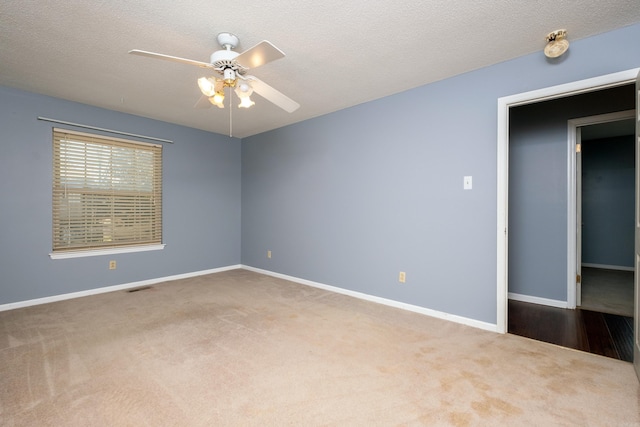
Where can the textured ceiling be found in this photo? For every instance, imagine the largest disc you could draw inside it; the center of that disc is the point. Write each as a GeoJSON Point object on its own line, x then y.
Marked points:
{"type": "Point", "coordinates": [339, 52]}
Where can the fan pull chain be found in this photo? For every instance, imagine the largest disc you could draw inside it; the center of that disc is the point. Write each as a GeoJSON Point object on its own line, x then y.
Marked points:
{"type": "Point", "coordinates": [230, 114]}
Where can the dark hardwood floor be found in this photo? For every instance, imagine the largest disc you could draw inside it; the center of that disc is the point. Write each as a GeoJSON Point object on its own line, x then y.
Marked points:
{"type": "Point", "coordinates": [605, 334]}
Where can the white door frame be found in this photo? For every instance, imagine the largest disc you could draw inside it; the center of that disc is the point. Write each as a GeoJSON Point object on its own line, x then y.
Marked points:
{"type": "Point", "coordinates": [504, 104]}
{"type": "Point", "coordinates": [636, 264]}
{"type": "Point", "coordinates": [573, 228]}
{"type": "Point", "coordinates": [576, 264]}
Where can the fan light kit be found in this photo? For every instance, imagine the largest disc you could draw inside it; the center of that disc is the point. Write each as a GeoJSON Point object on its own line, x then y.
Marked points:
{"type": "Point", "coordinates": [231, 68]}
{"type": "Point", "coordinates": [557, 44]}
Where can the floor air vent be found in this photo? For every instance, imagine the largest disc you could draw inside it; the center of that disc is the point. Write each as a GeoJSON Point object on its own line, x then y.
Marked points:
{"type": "Point", "coordinates": [144, 288]}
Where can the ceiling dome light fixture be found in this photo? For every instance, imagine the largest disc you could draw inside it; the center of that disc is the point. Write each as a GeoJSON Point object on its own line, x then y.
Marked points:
{"type": "Point", "coordinates": [557, 44]}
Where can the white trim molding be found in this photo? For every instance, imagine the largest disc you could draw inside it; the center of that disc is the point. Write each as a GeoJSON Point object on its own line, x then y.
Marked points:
{"type": "Point", "coordinates": [391, 303]}
{"type": "Point", "coordinates": [102, 290]}
{"type": "Point", "coordinates": [409, 307]}
{"type": "Point", "coordinates": [608, 267]}
{"type": "Point", "coordinates": [538, 300]}
{"type": "Point", "coordinates": [109, 251]}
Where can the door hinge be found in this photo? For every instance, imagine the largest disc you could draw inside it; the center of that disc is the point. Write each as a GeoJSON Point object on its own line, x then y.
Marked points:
{"type": "Point", "coordinates": [578, 148]}
{"type": "Point", "coordinates": [578, 278]}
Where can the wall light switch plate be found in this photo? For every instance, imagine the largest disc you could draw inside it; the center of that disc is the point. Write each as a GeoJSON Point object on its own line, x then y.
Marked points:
{"type": "Point", "coordinates": [468, 184]}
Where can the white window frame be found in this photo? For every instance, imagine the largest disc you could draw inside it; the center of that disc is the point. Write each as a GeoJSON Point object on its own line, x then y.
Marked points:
{"type": "Point", "coordinates": [118, 248]}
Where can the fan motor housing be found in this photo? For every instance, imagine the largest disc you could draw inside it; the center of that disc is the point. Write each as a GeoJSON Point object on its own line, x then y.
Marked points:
{"type": "Point", "coordinates": [225, 59]}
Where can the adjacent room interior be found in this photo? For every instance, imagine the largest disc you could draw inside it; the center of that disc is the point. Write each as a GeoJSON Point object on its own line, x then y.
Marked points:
{"type": "Point", "coordinates": [605, 181]}
{"type": "Point", "coordinates": [338, 213]}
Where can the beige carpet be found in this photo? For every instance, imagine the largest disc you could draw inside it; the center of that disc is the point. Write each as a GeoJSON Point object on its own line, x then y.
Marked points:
{"type": "Point", "coordinates": [243, 349]}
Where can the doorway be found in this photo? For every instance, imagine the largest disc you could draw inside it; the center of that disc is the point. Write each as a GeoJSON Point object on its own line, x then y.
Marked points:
{"type": "Point", "coordinates": [605, 209]}
{"type": "Point", "coordinates": [504, 106]}
{"type": "Point", "coordinates": [542, 191]}
{"type": "Point", "coordinates": [505, 109]}
{"type": "Point", "coordinates": [603, 171]}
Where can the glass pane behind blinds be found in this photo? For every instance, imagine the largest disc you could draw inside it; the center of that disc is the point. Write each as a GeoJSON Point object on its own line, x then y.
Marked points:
{"type": "Point", "coordinates": [106, 192]}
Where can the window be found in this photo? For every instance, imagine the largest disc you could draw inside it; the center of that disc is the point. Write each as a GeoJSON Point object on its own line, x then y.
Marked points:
{"type": "Point", "coordinates": [107, 193]}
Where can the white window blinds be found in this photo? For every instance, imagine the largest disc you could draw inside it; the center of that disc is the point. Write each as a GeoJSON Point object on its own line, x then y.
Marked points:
{"type": "Point", "coordinates": [107, 192]}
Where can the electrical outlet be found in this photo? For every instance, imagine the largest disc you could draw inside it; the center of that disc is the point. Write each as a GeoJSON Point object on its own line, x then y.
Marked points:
{"type": "Point", "coordinates": [268, 254]}
{"type": "Point", "coordinates": [402, 277]}
{"type": "Point", "coordinates": [112, 265]}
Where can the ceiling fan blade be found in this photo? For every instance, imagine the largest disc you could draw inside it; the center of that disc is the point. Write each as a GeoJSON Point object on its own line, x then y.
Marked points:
{"type": "Point", "coordinates": [203, 102]}
{"type": "Point", "coordinates": [170, 58]}
{"type": "Point", "coordinates": [259, 55]}
{"type": "Point", "coordinates": [273, 95]}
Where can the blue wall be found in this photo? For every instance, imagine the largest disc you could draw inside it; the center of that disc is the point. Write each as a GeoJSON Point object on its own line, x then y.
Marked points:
{"type": "Point", "coordinates": [608, 201]}
{"type": "Point", "coordinates": [201, 192]}
{"type": "Point", "coordinates": [352, 198]}
{"type": "Point", "coordinates": [348, 199]}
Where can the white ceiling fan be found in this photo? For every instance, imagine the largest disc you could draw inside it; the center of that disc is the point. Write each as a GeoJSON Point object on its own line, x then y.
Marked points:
{"type": "Point", "coordinates": [231, 68]}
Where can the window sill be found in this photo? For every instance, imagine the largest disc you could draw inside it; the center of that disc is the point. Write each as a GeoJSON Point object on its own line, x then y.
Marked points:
{"type": "Point", "coordinates": [109, 251]}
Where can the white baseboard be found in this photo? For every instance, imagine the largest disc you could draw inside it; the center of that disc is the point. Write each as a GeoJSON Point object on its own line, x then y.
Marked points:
{"type": "Point", "coordinates": [392, 303]}
{"type": "Point", "coordinates": [608, 267]}
{"type": "Point", "coordinates": [538, 300]}
{"type": "Point", "coordinates": [96, 291]}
